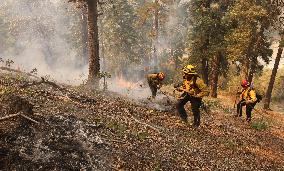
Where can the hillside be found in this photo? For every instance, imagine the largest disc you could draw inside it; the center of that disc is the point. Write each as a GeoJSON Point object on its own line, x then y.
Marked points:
{"type": "Point", "coordinates": [73, 128]}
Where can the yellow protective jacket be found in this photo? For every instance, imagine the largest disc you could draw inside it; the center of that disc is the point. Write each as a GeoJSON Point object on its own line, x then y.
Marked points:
{"type": "Point", "coordinates": [249, 95]}
{"type": "Point", "coordinates": [195, 87]}
{"type": "Point", "coordinates": [154, 80]}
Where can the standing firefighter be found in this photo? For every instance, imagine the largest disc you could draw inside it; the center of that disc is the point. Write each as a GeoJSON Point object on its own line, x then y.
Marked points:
{"type": "Point", "coordinates": [248, 98]}
{"type": "Point", "coordinates": [155, 82]}
{"type": "Point", "coordinates": [193, 89]}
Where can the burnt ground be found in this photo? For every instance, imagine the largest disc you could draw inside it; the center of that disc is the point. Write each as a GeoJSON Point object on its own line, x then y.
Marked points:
{"type": "Point", "coordinates": [81, 129]}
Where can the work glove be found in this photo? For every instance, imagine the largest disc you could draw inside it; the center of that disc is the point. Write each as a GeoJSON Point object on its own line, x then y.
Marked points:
{"type": "Point", "coordinates": [159, 87]}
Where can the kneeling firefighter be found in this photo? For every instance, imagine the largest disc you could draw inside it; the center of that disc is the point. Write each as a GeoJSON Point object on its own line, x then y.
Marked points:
{"type": "Point", "coordinates": [248, 98]}
{"type": "Point", "coordinates": [155, 82]}
{"type": "Point", "coordinates": [193, 89]}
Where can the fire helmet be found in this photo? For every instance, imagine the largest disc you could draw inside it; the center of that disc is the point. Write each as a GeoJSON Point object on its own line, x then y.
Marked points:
{"type": "Point", "coordinates": [245, 83]}
{"type": "Point", "coordinates": [189, 69]}
{"type": "Point", "coordinates": [161, 75]}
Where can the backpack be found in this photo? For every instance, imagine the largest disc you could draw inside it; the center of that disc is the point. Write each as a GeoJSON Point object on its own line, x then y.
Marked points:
{"type": "Point", "coordinates": [257, 95]}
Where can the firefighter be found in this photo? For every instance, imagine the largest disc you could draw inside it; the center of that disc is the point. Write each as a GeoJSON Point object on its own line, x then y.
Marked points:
{"type": "Point", "coordinates": [155, 82]}
{"type": "Point", "coordinates": [248, 98]}
{"type": "Point", "coordinates": [193, 89]}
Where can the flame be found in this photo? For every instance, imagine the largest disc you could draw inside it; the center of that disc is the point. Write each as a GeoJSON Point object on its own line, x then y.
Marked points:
{"type": "Point", "coordinates": [126, 84]}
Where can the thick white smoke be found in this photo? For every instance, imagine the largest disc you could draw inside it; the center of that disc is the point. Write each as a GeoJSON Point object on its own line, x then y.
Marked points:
{"type": "Point", "coordinates": [42, 33]}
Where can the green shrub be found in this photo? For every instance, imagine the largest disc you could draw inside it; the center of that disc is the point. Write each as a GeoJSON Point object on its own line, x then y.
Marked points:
{"type": "Point", "coordinates": [259, 125]}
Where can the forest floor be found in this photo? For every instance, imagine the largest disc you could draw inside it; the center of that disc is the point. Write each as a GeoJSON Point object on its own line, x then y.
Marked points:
{"type": "Point", "coordinates": [61, 127]}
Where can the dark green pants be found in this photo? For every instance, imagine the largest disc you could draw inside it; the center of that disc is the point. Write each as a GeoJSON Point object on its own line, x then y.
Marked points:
{"type": "Point", "coordinates": [153, 89]}
{"type": "Point", "coordinates": [249, 108]}
{"type": "Point", "coordinates": [195, 107]}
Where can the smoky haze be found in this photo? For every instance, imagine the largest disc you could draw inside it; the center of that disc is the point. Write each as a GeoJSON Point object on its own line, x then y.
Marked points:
{"type": "Point", "coordinates": [47, 35]}
{"type": "Point", "coordinates": [38, 35]}
{"type": "Point", "coordinates": [133, 83]}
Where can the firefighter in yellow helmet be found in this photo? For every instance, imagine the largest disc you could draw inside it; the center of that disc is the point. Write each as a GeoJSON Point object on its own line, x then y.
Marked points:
{"type": "Point", "coordinates": [248, 98]}
{"type": "Point", "coordinates": [193, 89]}
{"type": "Point", "coordinates": [155, 82]}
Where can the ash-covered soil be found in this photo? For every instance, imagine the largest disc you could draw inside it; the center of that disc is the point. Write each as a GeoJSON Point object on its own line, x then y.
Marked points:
{"type": "Point", "coordinates": [74, 128]}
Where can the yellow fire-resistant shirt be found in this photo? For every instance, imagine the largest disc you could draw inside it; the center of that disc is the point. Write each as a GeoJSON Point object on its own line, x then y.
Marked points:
{"type": "Point", "coordinates": [248, 95]}
{"type": "Point", "coordinates": [198, 88]}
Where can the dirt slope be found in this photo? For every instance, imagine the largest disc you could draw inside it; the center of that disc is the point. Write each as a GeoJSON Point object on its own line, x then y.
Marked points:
{"type": "Point", "coordinates": [81, 129]}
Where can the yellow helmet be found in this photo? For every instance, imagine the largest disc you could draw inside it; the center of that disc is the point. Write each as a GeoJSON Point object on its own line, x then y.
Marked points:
{"type": "Point", "coordinates": [189, 69]}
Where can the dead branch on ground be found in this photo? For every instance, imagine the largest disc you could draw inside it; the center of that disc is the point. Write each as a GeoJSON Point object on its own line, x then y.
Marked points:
{"type": "Point", "coordinates": [17, 71]}
{"type": "Point", "coordinates": [18, 114]}
{"type": "Point", "coordinates": [68, 94]}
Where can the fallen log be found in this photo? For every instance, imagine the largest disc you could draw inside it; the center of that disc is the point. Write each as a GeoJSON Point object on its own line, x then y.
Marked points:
{"type": "Point", "coordinates": [18, 114]}
{"type": "Point", "coordinates": [30, 119]}
{"type": "Point", "coordinates": [146, 124]}
{"type": "Point", "coordinates": [9, 116]}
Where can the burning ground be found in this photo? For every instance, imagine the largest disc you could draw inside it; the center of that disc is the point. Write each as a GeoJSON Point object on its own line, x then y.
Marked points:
{"type": "Point", "coordinates": [59, 127]}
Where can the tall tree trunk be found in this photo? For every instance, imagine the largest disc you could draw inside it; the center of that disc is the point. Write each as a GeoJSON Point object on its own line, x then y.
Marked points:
{"type": "Point", "coordinates": [252, 69]}
{"type": "Point", "coordinates": [257, 42]}
{"type": "Point", "coordinates": [93, 43]}
{"type": "Point", "coordinates": [204, 61]}
{"type": "Point", "coordinates": [156, 31]}
{"type": "Point", "coordinates": [103, 57]}
{"type": "Point", "coordinates": [268, 94]}
{"type": "Point", "coordinates": [215, 75]}
{"type": "Point", "coordinates": [205, 70]}
{"type": "Point", "coordinates": [245, 68]}
{"type": "Point", "coordinates": [250, 61]}
{"type": "Point", "coordinates": [85, 35]}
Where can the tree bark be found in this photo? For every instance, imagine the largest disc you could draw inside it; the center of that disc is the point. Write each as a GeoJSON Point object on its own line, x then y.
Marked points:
{"type": "Point", "coordinates": [245, 68]}
{"type": "Point", "coordinates": [257, 41]}
{"type": "Point", "coordinates": [268, 94]}
{"type": "Point", "coordinates": [93, 43]}
{"type": "Point", "coordinates": [156, 31]}
{"type": "Point", "coordinates": [215, 75]}
{"type": "Point", "coordinates": [205, 70]}
{"type": "Point", "coordinates": [103, 56]}
{"type": "Point", "coordinates": [252, 69]}
{"type": "Point", "coordinates": [84, 35]}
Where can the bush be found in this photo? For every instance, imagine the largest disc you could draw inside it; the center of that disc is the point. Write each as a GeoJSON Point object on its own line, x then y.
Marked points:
{"type": "Point", "coordinates": [259, 125]}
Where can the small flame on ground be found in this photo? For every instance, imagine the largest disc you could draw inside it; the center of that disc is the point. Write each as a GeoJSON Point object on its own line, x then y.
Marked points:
{"type": "Point", "coordinates": [126, 84]}
{"type": "Point", "coordinates": [128, 88]}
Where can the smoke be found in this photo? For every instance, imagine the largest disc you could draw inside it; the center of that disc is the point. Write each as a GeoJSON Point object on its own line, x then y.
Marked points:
{"type": "Point", "coordinates": [139, 92]}
{"type": "Point", "coordinates": [47, 35]}
{"type": "Point", "coordinates": [174, 31]}
{"type": "Point", "coordinates": [135, 90]}
{"type": "Point", "coordinates": [42, 34]}
{"type": "Point", "coordinates": [171, 32]}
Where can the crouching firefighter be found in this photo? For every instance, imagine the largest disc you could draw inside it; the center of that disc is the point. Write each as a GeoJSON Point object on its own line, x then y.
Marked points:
{"type": "Point", "coordinates": [193, 89]}
{"type": "Point", "coordinates": [155, 82]}
{"type": "Point", "coordinates": [248, 98]}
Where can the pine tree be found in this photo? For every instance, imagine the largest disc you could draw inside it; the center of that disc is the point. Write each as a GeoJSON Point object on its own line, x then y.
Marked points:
{"type": "Point", "coordinates": [93, 41]}
{"type": "Point", "coordinates": [246, 40]}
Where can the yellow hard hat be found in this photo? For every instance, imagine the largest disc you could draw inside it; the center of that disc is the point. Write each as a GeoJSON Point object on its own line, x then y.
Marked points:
{"type": "Point", "coordinates": [189, 69]}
